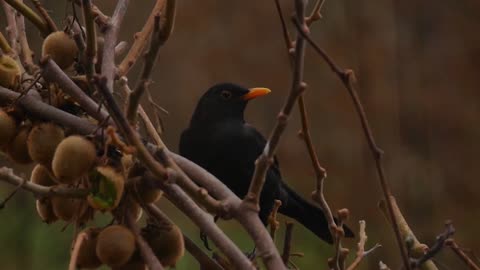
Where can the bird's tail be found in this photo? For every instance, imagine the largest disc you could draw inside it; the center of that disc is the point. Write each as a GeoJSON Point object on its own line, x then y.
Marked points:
{"type": "Point", "coordinates": [308, 215]}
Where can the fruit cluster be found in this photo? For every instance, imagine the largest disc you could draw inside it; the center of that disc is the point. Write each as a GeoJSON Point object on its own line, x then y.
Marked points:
{"type": "Point", "coordinates": [107, 178]}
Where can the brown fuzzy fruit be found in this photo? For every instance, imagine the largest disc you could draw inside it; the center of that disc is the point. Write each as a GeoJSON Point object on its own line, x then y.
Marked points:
{"type": "Point", "coordinates": [73, 158]}
{"type": "Point", "coordinates": [45, 210]}
{"type": "Point", "coordinates": [9, 72]}
{"type": "Point", "coordinates": [132, 265]}
{"type": "Point", "coordinates": [147, 193]}
{"type": "Point", "coordinates": [41, 176]}
{"type": "Point", "coordinates": [8, 126]}
{"type": "Point", "coordinates": [87, 257]}
{"type": "Point", "coordinates": [42, 142]}
{"type": "Point", "coordinates": [107, 188]}
{"type": "Point", "coordinates": [17, 149]}
{"type": "Point", "coordinates": [115, 246]}
{"type": "Point", "coordinates": [166, 241]}
{"type": "Point", "coordinates": [68, 209]}
{"type": "Point", "coordinates": [61, 48]}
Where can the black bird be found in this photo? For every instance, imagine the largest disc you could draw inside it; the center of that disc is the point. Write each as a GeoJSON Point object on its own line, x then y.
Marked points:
{"type": "Point", "coordinates": [219, 140]}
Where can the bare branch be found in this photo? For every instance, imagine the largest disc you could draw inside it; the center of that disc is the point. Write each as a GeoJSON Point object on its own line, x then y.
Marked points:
{"type": "Point", "coordinates": [76, 250]}
{"type": "Point", "coordinates": [249, 219]}
{"type": "Point", "coordinates": [361, 253]}
{"type": "Point", "coordinates": [272, 219]}
{"type": "Point", "coordinates": [26, 54]}
{"type": "Point", "coordinates": [43, 12]}
{"type": "Point", "coordinates": [12, 30]}
{"type": "Point", "coordinates": [32, 104]}
{"type": "Point", "coordinates": [287, 243]}
{"type": "Point", "coordinates": [111, 35]}
{"type": "Point", "coordinates": [436, 247]}
{"type": "Point", "coordinates": [160, 35]}
{"type": "Point", "coordinates": [347, 77]}
{"type": "Point", "coordinates": [91, 48]}
{"type": "Point", "coordinates": [264, 161]}
{"type": "Point", "coordinates": [145, 250]}
{"type": "Point", "coordinates": [141, 39]}
{"type": "Point", "coordinates": [52, 73]}
{"type": "Point", "coordinates": [461, 254]}
{"type": "Point", "coordinates": [7, 175]}
{"type": "Point", "coordinates": [30, 15]}
{"type": "Point", "coordinates": [206, 223]}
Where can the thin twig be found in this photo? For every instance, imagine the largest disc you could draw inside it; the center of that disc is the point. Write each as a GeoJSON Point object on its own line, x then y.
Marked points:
{"type": "Point", "coordinates": [160, 35]}
{"type": "Point", "coordinates": [240, 211]}
{"type": "Point", "coordinates": [4, 46]}
{"type": "Point", "coordinates": [53, 73]}
{"type": "Point", "coordinates": [361, 253]}
{"type": "Point", "coordinates": [33, 105]}
{"type": "Point", "coordinates": [111, 31]}
{"type": "Point", "coordinates": [287, 243]}
{"type": "Point", "coordinates": [272, 219]}
{"type": "Point", "coordinates": [436, 247]}
{"type": "Point", "coordinates": [43, 12]}
{"type": "Point", "coordinates": [264, 161]}
{"type": "Point", "coordinates": [30, 15]}
{"type": "Point", "coordinates": [26, 54]}
{"type": "Point", "coordinates": [347, 77]}
{"type": "Point", "coordinates": [91, 48]}
{"type": "Point", "coordinates": [145, 250]}
{"type": "Point", "coordinates": [415, 248]}
{"type": "Point", "coordinates": [12, 30]}
{"type": "Point", "coordinates": [7, 175]}
{"type": "Point", "coordinates": [12, 193]}
{"type": "Point", "coordinates": [316, 13]}
{"type": "Point", "coordinates": [461, 254]}
{"type": "Point", "coordinates": [205, 222]}
{"type": "Point", "coordinates": [320, 173]}
{"type": "Point", "coordinates": [141, 39]}
{"type": "Point", "coordinates": [76, 250]}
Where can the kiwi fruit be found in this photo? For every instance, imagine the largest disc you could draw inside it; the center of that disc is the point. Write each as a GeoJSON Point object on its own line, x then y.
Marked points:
{"type": "Point", "coordinates": [61, 48]}
{"type": "Point", "coordinates": [17, 148]}
{"type": "Point", "coordinates": [107, 188]}
{"type": "Point", "coordinates": [87, 256]}
{"type": "Point", "coordinates": [8, 126]}
{"type": "Point", "coordinates": [10, 72]}
{"type": "Point", "coordinates": [68, 209]}
{"type": "Point", "coordinates": [41, 176]}
{"type": "Point", "coordinates": [115, 245]}
{"type": "Point", "coordinates": [45, 210]}
{"type": "Point", "coordinates": [147, 193]}
{"type": "Point", "coordinates": [42, 142]}
{"type": "Point", "coordinates": [73, 158]}
{"type": "Point", "coordinates": [166, 241]}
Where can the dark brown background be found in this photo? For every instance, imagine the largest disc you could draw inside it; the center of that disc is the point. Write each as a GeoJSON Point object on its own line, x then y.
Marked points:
{"type": "Point", "coordinates": [417, 64]}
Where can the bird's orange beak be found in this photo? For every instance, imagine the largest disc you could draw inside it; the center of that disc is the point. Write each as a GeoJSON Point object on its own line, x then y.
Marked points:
{"type": "Point", "coordinates": [256, 92]}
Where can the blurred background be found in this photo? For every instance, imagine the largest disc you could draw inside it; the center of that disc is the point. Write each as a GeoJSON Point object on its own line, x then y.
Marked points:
{"type": "Point", "coordinates": [417, 64]}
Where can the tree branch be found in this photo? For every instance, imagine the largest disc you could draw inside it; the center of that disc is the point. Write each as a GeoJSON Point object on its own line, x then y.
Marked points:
{"type": "Point", "coordinates": [52, 27]}
{"type": "Point", "coordinates": [141, 39]}
{"type": "Point", "coordinates": [145, 250]}
{"type": "Point", "coordinates": [110, 32]}
{"type": "Point", "coordinates": [347, 77]}
{"type": "Point", "coordinates": [7, 175]}
{"type": "Point", "coordinates": [249, 219]}
{"type": "Point", "coordinates": [461, 254]}
{"type": "Point", "coordinates": [30, 15]}
{"type": "Point", "coordinates": [159, 37]}
{"type": "Point", "coordinates": [264, 161]}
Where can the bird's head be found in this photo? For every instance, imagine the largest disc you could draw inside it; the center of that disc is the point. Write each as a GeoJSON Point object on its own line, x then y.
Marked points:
{"type": "Point", "coordinates": [225, 101]}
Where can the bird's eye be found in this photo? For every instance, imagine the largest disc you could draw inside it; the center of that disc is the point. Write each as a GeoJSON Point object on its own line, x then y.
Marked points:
{"type": "Point", "coordinates": [226, 94]}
